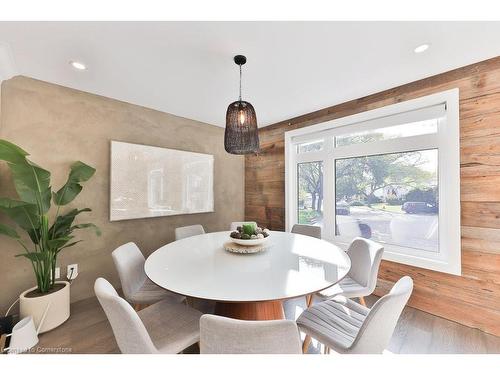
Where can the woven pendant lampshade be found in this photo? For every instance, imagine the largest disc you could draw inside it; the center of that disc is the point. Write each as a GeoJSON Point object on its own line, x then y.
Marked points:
{"type": "Point", "coordinates": [241, 135]}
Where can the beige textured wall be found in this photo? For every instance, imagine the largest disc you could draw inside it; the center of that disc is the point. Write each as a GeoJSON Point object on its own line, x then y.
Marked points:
{"type": "Point", "coordinates": [57, 126]}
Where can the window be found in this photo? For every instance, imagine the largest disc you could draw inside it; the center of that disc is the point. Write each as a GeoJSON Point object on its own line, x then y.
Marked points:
{"type": "Point", "coordinates": [391, 198]}
{"type": "Point", "coordinates": [391, 132]}
{"type": "Point", "coordinates": [390, 175]}
{"type": "Point", "coordinates": [310, 196]}
{"type": "Point", "coordinates": [310, 147]}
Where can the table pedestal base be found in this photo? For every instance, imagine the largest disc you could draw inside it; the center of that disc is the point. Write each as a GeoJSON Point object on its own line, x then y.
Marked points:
{"type": "Point", "coordinates": [269, 310]}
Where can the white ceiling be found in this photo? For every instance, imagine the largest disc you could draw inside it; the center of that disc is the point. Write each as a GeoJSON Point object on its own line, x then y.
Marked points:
{"type": "Point", "coordinates": [186, 68]}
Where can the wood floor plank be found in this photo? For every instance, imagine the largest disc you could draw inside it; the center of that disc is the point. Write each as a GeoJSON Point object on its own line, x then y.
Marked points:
{"type": "Point", "coordinates": [418, 338]}
{"type": "Point", "coordinates": [88, 331]}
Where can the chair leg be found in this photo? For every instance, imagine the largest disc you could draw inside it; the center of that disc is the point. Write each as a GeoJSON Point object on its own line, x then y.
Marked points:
{"type": "Point", "coordinates": [305, 345]}
{"type": "Point", "coordinates": [3, 339]}
{"type": "Point", "coordinates": [362, 301]}
{"type": "Point", "coordinates": [140, 306]}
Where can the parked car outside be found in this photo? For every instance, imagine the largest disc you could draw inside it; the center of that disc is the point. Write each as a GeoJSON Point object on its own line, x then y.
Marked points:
{"type": "Point", "coordinates": [419, 208]}
{"type": "Point", "coordinates": [342, 208]}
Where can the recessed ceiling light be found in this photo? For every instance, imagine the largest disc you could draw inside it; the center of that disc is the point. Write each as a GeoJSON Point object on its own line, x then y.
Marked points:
{"type": "Point", "coordinates": [421, 48]}
{"type": "Point", "coordinates": [78, 65]}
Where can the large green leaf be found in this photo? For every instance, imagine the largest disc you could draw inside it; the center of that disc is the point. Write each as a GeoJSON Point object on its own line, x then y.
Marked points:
{"type": "Point", "coordinates": [35, 235]}
{"type": "Point", "coordinates": [69, 245]}
{"type": "Point", "coordinates": [11, 153]}
{"type": "Point", "coordinates": [63, 223]}
{"type": "Point", "coordinates": [87, 225]}
{"type": "Point", "coordinates": [32, 182]}
{"type": "Point", "coordinates": [23, 213]}
{"type": "Point", "coordinates": [36, 256]}
{"type": "Point", "coordinates": [57, 243]}
{"type": "Point", "coordinates": [8, 231]}
{"type": "Point", "coordinates": [80, 172]}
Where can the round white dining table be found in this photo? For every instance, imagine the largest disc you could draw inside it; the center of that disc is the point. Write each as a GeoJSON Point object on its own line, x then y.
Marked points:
{"type": "Point", "coordinates": [248, 286]}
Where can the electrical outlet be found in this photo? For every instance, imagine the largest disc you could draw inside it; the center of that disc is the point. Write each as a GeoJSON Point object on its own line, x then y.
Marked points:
{"type": "Point", "coordinates": [72, 271]}
{"type": "Point", "coordinates": [57, 273]}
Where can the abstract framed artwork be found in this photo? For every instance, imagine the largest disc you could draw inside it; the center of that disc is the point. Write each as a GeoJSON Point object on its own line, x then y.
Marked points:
{"type": "Point", "coordinates": [149, 181]}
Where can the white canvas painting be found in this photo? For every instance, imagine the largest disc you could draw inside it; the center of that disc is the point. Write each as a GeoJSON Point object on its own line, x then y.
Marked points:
{"type": "Point", "coordinates": [148, 181]}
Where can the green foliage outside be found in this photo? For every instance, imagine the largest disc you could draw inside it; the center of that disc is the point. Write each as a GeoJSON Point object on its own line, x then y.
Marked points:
{"type": "Point", "coordinates": [387, 208]}
{"type": "Point", "coordinates": [309, 216]}
{"type": "Point", "coordinates": [422, 195]}
{"type": "Point", "coordinates": [310, 183]}
{"type": "Point", "coordinates": [360, 181]}
{"type": "Point", "coordinates": [364, 176]}
{"type": "Point", "coordinates": [357, 203]}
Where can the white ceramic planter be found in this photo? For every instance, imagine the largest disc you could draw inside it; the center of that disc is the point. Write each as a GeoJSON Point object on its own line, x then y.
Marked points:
{"type": "Point", "coordinates": [58, 307]}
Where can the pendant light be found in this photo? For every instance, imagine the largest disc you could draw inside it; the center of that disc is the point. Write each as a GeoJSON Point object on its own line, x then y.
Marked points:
{"type": "Point", "coordinates": [241, 135]}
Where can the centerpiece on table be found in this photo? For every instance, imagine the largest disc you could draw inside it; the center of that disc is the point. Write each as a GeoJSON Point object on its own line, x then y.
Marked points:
{"type": "Point", "coordinates": [248, 238]}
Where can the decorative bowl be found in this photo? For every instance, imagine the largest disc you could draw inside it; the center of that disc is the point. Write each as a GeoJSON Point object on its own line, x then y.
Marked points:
{"type": "Point", "coordinates": [254, 242]}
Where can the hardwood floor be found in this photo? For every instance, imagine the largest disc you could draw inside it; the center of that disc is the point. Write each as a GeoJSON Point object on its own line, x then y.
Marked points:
{"type": "Point", "coordinates": [417, 332]}
{"type": "Point", "coordinates": [86, 331]}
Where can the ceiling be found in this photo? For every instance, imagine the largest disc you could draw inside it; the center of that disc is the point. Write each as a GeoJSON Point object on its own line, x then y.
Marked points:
{"type": "Point", "coordinates": [186, 68]}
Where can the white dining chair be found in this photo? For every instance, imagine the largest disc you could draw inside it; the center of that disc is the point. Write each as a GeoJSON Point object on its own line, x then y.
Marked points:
{"type": "Point", "coordinates": [361, 280]}
{"type": "Point", "coordinates": [307, 230]}
{"type": "Point", "coordinates": [220, 335]}
{"type": "Point", "coordinates": [163, 327]}
{"type": "Point", "coordinates": [188, 231]}
{"type": "Point", "coordinates": [349, 327]}
{"type": "Point", "coordinates": [311, 231]}
{"type": "Point", "coordinates": [137, 288]}
{"type": "Point", "coordinates": [24, 336]}
{"type": "Point", "coordinates": [236, 224]}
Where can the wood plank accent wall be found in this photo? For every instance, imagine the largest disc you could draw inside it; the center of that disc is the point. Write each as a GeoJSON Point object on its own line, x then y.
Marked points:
{"type": "Point", "coordinates": [472, 299]}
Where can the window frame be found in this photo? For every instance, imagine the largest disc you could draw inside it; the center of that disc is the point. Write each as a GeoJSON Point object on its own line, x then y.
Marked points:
{"type": "Point", "coordinates": [446, 141]}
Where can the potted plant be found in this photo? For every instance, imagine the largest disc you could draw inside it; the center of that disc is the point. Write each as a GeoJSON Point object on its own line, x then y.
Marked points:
{"type": "Point", "coordinates": [31, 213]}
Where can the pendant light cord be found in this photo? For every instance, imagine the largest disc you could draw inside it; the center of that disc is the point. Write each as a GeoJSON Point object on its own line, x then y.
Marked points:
{"type": "Point", "coordinates": [240, 82]}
